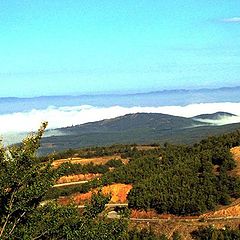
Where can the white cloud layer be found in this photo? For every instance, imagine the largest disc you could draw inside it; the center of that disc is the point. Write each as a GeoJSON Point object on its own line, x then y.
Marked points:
{"type": "Point", "coordinates": [222, 120]}
{"type": "Point", "coordinates": [232, 20]}
{"type": "Point", "coordinates": [68, 116]}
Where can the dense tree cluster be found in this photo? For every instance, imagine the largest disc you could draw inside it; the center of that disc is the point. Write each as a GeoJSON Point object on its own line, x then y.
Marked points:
{"type": "Point", "coordinates": [179, 179]}
{"type": "Point", "coordinates": [69, 168]}
{"type": "Point", "coordinates": [183, 185]}
{"type": "Point", "coordinates": [186, 180]}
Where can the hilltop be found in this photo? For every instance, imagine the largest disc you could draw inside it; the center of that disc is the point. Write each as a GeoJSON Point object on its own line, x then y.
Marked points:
{"type": "Point", "coordinates": [140, 128]}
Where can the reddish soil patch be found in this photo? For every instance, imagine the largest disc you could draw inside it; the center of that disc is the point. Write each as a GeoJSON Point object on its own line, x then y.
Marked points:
{"type": "Point", "coordinates": [117, 191]}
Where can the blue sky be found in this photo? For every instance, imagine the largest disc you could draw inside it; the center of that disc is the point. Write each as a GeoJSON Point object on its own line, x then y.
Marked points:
{"type": "Point", "coordinates": [89, 46]}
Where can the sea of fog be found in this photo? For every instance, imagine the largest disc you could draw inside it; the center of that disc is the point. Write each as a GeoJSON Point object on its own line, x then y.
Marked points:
{"type": "Point", "coordinates": [21, 115]}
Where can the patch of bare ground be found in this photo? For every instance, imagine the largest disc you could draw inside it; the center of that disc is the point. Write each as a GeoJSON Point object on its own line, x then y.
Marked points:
{"type": "Point", "coordinates": [117, 191]}
{"type": "Point", "coordinates": [95, 160]}
{"type": "Point", "coordinates": [232, 210]}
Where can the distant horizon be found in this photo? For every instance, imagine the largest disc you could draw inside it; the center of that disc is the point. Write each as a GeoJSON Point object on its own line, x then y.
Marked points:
{"type": "Point", "coordinates": [132, 92]}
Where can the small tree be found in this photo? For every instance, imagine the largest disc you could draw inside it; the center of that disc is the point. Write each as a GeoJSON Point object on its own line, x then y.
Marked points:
{"type": "Point", "coordinates": [24, 180]}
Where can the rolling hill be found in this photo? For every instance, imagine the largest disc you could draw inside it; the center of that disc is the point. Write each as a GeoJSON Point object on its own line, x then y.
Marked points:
{"type": "Point", "coordinates": [140, 128]}
{"type": "Point", "coordinates": [129, 122]}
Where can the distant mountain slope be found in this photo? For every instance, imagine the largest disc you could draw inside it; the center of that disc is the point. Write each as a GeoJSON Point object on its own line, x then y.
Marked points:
{"type": "Point", "coordinates": [214, 116]}
{"type": "Point", "coordinates": [129, 122]}
{"type": "Point", "coordinates": [134, 128]}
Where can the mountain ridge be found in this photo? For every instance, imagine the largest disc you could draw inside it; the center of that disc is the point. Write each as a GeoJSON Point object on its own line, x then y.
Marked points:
{"type": "Point", "coordinates": [163, 91]}
{"type": "Point", "coordinates": [139, 128]}
{"type": "Point", "coordinates": [129, 121]}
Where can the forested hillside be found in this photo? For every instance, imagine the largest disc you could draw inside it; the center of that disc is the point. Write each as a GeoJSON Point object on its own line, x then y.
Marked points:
{"type": "Point", "coordinates": [177, 179]}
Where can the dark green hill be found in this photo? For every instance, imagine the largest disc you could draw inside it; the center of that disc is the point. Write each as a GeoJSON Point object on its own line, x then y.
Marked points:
{"type": "Point", "coordinates": [214, 116]}
{"type": "Point", "coordinates": [134, 128]}
{"type": "Point", "coordinates": [129, 122]}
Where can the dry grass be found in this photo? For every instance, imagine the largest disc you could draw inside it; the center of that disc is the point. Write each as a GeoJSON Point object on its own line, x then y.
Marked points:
{"type": "Point", "coordinates": [96, 160]}
{"type": "Point", "coordinates": [183, 227]}
{"type": "Point", "coordinates": [78, 177]}
{"type": "Point", "coordinates": [146, 147]}
{"type": "Point", "coordinates": [231, 211]}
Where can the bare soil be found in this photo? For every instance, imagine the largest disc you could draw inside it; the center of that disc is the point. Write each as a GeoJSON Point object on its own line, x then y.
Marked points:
{"type": "Point", "coordinates": [117, 191]}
